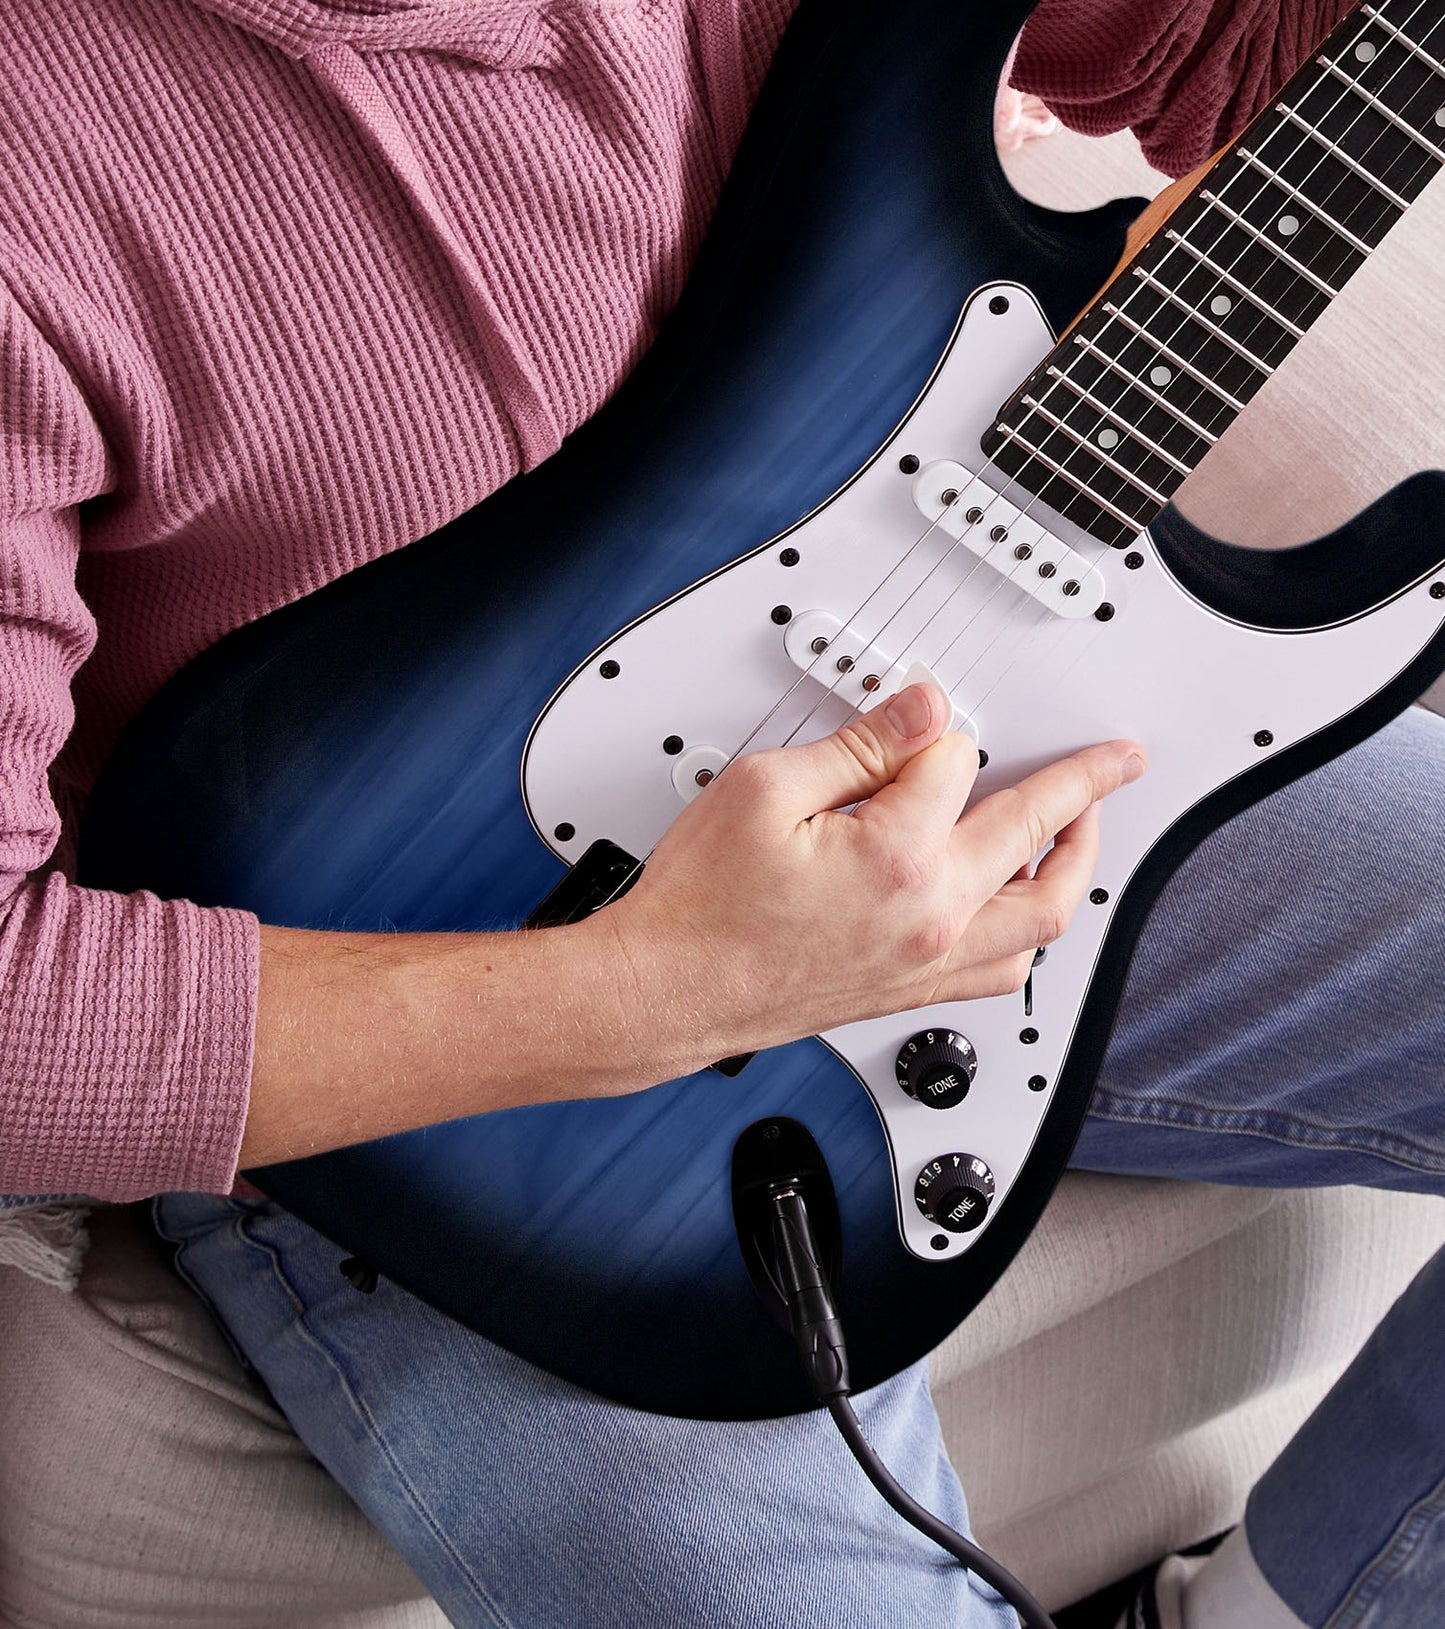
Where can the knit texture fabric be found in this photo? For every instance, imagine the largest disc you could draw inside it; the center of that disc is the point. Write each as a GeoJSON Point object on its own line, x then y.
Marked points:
{"type": "Point", "coordinates": [287, 284]}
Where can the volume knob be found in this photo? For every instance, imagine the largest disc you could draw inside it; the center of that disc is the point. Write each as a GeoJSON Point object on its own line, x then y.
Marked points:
{"type": "Point", "coordinates": [937, 1067]}
{"type": "Point", "coordinates": [955, 1190]}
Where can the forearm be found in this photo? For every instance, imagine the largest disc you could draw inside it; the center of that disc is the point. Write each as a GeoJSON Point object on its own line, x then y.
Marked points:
{"type": "Point", "coordinates": [360, 1035]}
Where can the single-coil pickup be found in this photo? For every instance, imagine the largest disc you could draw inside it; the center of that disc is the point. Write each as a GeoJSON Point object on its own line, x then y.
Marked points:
{"type": "Point", "coordinates": [965, 507]}
{"type": "Point", "coordinates": [838, 657]}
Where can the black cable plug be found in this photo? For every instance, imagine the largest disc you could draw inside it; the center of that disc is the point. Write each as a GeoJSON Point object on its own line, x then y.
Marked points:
{"type": "Point", "coordinates": [808, 1297]}
{"type": "Point", "coordinates": [818, 1332]}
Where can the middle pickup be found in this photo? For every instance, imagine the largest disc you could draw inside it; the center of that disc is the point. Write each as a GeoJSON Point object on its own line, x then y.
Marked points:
{"type": "Point", "coordinates": [1008, 539]}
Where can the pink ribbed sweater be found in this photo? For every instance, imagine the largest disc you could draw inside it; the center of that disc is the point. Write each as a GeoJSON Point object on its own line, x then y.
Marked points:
{"type": "Point", "coordinates": [285, 284]}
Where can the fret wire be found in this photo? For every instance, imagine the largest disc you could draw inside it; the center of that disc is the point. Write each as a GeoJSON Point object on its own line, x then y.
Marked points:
{"type": "Point", "coordinates": [1344, 158]}
{"type": "Point", "coordinates": [1204, 322]}
{"type": "Point", "coordinates": [1062, 378]}
{"type": "Point", "coordinates": [1138, 384]}
{"type": "Point", "coordinates": [1382, 110]}
{"type": "Point", "coordinates": [1404, 39]}
{"type": "Point", "coordinates": [1094, 452]}
{"type": "Point", "coordinates": [1180, 241]}
{"type": "Point", "coordinates": [1070, 480]}
{"type": "Point", "coordinates": [1314, 209]}
{"type": "Point", "coordinates": [1187, 367]}
{"type": "Point", "coordinates": [1262, 237]}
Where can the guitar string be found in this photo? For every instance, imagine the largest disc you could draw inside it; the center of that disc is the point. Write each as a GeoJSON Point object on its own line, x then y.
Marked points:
{"type": "Point", "coordinates": [1008, 485]}
{"type": "Point", "coordinates": [1257, 318]}
{"type": "Point", "coordinates": [1000, 495]}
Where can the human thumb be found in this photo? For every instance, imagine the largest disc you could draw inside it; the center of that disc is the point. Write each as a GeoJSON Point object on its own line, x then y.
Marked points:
{"type": "Point", "coordinates": [867, 754]}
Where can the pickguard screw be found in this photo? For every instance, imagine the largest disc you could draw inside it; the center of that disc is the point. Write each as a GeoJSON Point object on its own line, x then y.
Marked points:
{"type": "Point", "coordinates": [998, 304]}
{"type": "Point", "coordinates": [781, 614]}
{"type": "Point", "coordinates": [818, 646]}
{"type": "Point", "coordinates": [1105, 613]}
{"type": "Point", "coordinates": [908, 464]}
{"type": "Point", "coordinates": [982, 759]}
{"type": "Point", "coordinates": [1437, 591]}
{"type": "Point", "coordinates": [1098, 896]}
{"type": "Point", "coordinates": [703, 777]}
{"type": "Point", "coordinates": [973, 516]}
{"type": "Point", "coordinates": [998, 533]}
{"type": "Point", "coordinates": [1047, 569]}
{"type": "Point", "coordinates": [950, 496]}
{"type": "Point", "coordinates": [672, 745]}
{"type": "Point", "coordinates": [1028, 1036]}
{"type": "Point", "coordinates": [789, 557]}
{"type": "Point", "coordinates": [1022, 552]}
{"type": "Point", "coordinates": [565, 832]}
{"type": "Point", "coordinates": [1133, 561]}
{"type": "Point", "coordinates": [1037, 1083]}
{"type": "Point", "coordinates": [610, 669]}
{"type": "Point", "coordinates": [939, 1241]}
{"type": "Point", "coordinates": [1264, 738]}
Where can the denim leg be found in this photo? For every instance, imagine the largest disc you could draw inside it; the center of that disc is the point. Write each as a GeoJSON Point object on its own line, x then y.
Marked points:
{"type": "Point", "coordinates": [1284, 1025]}
{"type": "Point", "coordinates": [524, 1503]}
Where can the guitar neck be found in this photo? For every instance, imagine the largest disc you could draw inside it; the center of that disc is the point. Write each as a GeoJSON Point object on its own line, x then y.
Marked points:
{"type": "Point", "coordinates": [1154, 372]}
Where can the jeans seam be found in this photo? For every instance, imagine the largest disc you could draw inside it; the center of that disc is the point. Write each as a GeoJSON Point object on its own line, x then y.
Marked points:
{"type": "Point", "coordinates": [1174, 1116]}
{"type": "Point", "coordinates": [368, 1422]}
{"type": "Point", "coordinates": [1390, 1562]}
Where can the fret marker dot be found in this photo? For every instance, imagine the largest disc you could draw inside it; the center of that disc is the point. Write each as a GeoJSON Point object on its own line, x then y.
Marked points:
{"type": "Point", "coordinates": [1365, 52]}
{"type": "Point", "coordinates": [1107, 437]}
{"type": "Point", "coordinates": [1287, 225]}
{"type": "Point", "coordinates": [1221, 305]}
{"type": "Point", "coordinates": [1160, 376]}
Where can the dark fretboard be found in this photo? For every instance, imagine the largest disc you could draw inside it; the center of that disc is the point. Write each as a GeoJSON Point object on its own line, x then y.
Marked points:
{"type": "Point", "coordinates": [1158, 368]}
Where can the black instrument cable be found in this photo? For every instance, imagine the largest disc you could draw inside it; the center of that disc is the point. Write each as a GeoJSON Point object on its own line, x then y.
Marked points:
{"type": "Point", "coordinates": [813, 1320]}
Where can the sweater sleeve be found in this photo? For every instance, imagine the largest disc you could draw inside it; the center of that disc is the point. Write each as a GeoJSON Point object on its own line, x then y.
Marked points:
{"type": "Point", "coordinates": [1185, 75]}
{"type": "Point", "coordinates": [126, 1022]}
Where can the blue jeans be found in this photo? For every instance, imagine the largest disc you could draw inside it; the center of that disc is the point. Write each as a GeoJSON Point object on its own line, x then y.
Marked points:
{"type": "Point", "coordinates": [1284, 1025]}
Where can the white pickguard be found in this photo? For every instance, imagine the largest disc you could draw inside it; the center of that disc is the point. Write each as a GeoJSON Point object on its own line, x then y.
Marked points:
{"type": "Point", "coordinates": [1193, 687]}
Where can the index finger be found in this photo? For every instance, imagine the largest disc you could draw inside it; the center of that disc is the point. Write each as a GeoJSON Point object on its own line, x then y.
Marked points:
{"type": "Point", "coordinates": [1006, 830]}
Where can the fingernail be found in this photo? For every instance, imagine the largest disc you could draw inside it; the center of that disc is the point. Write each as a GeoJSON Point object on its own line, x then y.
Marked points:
{"type": "Point", "coordinates": [910, 711]}
{"type": "Point", "coordinates": [1133, 768]}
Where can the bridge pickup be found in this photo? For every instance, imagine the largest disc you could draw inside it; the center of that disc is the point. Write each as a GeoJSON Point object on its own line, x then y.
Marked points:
{"type": "Point", "coordinates": [1006, 538]}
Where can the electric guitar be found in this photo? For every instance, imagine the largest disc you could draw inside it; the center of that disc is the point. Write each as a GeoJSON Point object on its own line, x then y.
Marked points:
{"type": "Point", "coordinates": [821, 480]}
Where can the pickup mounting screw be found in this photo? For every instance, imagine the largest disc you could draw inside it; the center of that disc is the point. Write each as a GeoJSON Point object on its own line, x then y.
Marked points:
{"type": "Point", "coordinates": [610, 669]}
{"type": "Point", "coordinates": [908, 464]}
{"type": "Point", "coordinates": [819, 645]}
{"type": "Point", "coordinates": [672, 745]}
{"type": "Point", "coordinates": [703, 777]}
{"type": "Point", "coordinates": [781, 614]}
{"type": "Point", "coordinates": [789, 557]}
{"type": "Point", "coordinates": [950, 497]}
{"type": "Point", "coordinates": [1264, 738]}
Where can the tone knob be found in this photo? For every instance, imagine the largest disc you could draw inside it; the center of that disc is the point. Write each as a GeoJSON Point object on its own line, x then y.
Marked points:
{"type": "Point", "coordinates": [955, 1190]}
{"type": "Point", "coordinates": [937, 1067]}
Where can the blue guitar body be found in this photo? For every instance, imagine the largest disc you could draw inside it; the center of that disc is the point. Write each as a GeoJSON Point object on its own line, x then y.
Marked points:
{"type": "Point", "coordinates": [352, 761]}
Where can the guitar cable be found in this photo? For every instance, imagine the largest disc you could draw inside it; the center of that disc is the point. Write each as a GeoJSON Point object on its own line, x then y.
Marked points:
{"type": "Point", "coordinates": [818, 1334]}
